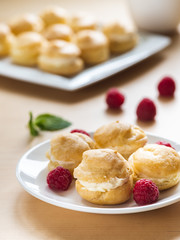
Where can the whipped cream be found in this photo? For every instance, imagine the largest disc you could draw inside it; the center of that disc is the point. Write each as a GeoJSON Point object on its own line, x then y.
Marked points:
{"type": "Point", "coordinates": [104, 186]}
{"type": "Point", "coordinates": [61, 163]}
{"type": "Point", "coordinates": [159, 180]}
{"type": "Point", "coordinates": [58, 61]}
{"type": "Point", "coordinates": [122, 37]}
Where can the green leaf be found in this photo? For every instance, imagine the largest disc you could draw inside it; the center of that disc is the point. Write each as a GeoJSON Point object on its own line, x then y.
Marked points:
{"type": "Point", "coordinates": [31, 126]}
{"type": "Point", "coordinates": [48, 122]}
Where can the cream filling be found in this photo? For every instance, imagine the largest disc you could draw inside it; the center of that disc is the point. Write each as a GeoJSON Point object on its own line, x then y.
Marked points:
{"type": "Point", "coordinates": [104, 186]}
{"type": "Point", "coordinates": [67, 164]}
{"type": "Point", "coordinates": [123, 37]}
{"type": "Point", "coordinates": [57, 61]}
{"type": "Point", "coordinates": [158, 180]}
{"type": "Point", "coordinates": [25, 52]}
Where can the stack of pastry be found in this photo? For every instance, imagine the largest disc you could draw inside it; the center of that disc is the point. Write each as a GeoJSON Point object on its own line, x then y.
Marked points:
{"type": "Point", "coordinates": [94, 43]}
{"type": "Point", "coordinates": [106, 168]}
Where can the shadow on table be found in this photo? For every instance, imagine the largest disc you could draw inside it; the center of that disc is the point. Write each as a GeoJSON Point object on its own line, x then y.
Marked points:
{"type": "Point", "coordinates": [46, 221]}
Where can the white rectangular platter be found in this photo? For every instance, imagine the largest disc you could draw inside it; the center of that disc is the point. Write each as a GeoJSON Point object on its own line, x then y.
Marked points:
{"type": "Point", "coordinates": [149, 44]}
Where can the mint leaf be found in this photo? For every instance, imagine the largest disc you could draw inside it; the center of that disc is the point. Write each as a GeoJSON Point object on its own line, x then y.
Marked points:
{"type": "Point", "coordinates": [48, 122]}
{"type": "Point", "coordinates": [31, 126]}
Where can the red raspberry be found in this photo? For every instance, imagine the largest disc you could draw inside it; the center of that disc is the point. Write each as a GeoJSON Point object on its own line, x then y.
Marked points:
{"type": "Point", "coordinates": [114, 98]}
{"type": "Point", "coordinates": [166, 87]}
{"type": "Point", "coordinates": [80, 131]}
{"type": "Point", "coordinates": [145, 192]}
{"type": "Point", "coordinates": [164, 143]}
{"type": "Point", "coordinates": [146, 110]}
{"type": "Point", "coordinates": [59, 179]}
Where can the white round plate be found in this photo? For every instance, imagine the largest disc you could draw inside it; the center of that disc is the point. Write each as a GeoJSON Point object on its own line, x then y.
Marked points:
{"type": "Point", "coordinates": [32, 170]}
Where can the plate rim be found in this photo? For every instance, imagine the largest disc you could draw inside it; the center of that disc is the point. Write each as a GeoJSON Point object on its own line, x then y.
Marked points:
{"type": "Point", "coordinates": [89, 209]}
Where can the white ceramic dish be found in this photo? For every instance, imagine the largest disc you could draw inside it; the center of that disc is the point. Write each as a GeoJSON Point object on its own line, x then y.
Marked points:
{"type": "Point", "coordinates": [159, 16]}
{"type": "Point", "coordinates": [32, 171]}
{"type": "Point", "coordinates": [149, 44]}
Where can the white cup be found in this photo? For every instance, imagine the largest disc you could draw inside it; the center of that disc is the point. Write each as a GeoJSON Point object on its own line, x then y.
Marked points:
{"type": "Point", "coordinates": [156, 15]}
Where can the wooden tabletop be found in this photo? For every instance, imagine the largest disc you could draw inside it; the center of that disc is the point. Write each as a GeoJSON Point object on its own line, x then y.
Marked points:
{"type": "Point", "coordinates": [22, 216]}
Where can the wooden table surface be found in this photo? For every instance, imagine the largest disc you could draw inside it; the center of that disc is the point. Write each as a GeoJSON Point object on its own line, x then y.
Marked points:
{"type": "Point", "coordinates": [22, 216]}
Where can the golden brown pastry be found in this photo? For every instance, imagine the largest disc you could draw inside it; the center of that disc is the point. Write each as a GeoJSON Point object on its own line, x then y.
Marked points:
{"type": "Point", "coordinates": [120, 39]}
{"type": "Point", "coordinates": [66, 150]}
{"type": "Point", "coordinates": [26, 48]}
{"type": "Point", "coordinates": [5, 39]}
{"type": "Point", "coordinates": [58, 32]}
{"type": "Point", "coordinates": [158, 163]}
{"type": "Point", "coordinates": [82, 22]}
{"type": "Point", "coordinates": [104, 177]}
{"type": "Point", "coordinates": [125, 138]}
{"type": "Point", "coordinates": [25, 23]}
{"type": "Point", "coordinates": [60, 57]}
{"type": "Point", "coordinates": [53, 15]}
{"type": "Point", "coordinates": [93, 45]}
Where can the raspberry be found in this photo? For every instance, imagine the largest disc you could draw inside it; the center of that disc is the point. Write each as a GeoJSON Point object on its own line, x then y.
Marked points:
{"type": "Point", "coordinates": [114, 98]}
{"type": "Point", "coordinates": [59, 179]}
{"type": "Point", "coordinates": [166, 87]}
{"type": "Point", "coordinates": [164, 143]}
{"type": "Point", "coordinates": [145, 192]}
{"type": "Point", "coordinates": [146, 110]}
{"type": "Point", "coordinates": [80, 131]}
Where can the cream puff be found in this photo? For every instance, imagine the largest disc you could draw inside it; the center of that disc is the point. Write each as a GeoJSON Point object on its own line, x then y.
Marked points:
{"type": "Point", "coordinates": [120, 39]}
{"type": "Point", "coordinates": [125, 138]}
{"type": "Point", "coordinates": [82, 21]}
{"type": "Point", "coordinates": [5, 39]}
{"type": "Point", "coordinates": [58, 32]}
{"type": "Point", "coordinates": [60, 57]}
{"type": "Point", "coordinates": [93, 45]}
{"type": "Point", "coordinates": [26, 48]}
{"type": "Point", "coordinates": [66, 150]}
{"type": "Point", "coordinates": [158, 163]}
{"type": "Point", "coordinates": [104, 177]}
{"type": "Point", "coordinates": [53, 15]}
{"type": "Point", "coordinates": [25, 23]}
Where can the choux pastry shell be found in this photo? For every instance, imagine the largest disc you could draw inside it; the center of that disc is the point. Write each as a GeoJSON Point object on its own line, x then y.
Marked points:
{"type": "Point", "coordinates": [25, 23]}
{"type": "Point", "coordinates": [26, 47]}
{"type": "Point", "coordinates": [125, 138]}
{"type": "Point", "coordinates": [82, 22]}
{"type": "Point", "coordinates": [158, 163]}
{"type": "Point", "coordinates": [93, 45]}
{"type": "Point", "coordinates": [120, 39]}
{"type": "Point", "coordinates": [6, 39]}
{"type": "Point", "coordinates": [60, 57]}
{"type": "Point", "coordinates": [53, 15]}
{"type": "Point", "coordinates": [66, 150]}
{"type": "Point", "coordinates": [58, 32]}
{"type": "Point", "coordinates": [103, 177]}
